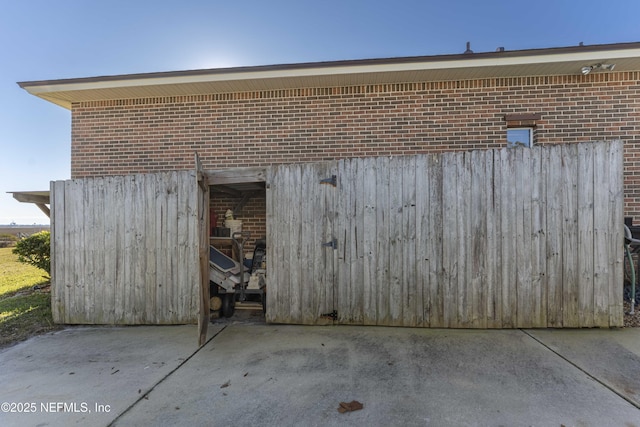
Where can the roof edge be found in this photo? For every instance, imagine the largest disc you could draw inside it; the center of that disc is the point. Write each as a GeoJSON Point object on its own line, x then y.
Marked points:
{"type": "Point", "coordinates": [340, 63]}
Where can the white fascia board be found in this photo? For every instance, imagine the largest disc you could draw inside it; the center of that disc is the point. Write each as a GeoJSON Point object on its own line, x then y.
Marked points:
{"type": "Point", "coordinates": [586, 57]}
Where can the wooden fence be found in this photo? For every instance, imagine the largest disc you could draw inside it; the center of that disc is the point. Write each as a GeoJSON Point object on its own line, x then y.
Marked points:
{"type": "Point", "coordinates": [125, 249]}
{"type": "Point", "coordinates": [510, 238]}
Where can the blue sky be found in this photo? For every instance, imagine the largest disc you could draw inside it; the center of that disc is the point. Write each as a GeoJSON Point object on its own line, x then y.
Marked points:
{"type": "Point", "coordinates": [46, 39]}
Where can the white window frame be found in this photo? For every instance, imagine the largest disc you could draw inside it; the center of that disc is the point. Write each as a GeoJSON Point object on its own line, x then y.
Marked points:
{"type": "Point", "coordinates": [530, 133]}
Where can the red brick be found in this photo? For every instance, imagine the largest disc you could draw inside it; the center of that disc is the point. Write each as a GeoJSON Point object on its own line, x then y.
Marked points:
{"type": "Point", "coordinates": [315, 124]}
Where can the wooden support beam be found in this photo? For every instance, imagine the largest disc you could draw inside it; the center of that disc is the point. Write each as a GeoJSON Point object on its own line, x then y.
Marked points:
{"type": "Point", "coordinates": [246, 196]}
{"type": "Point", "coordinates": [203, 246]}
{"type": "Point", "coordinates": [40, 198]}
{"type": "Point", "coordinates": [44, 208]}
{"type": "Point", "coordinates": [31, 196]}
{"type": "Point", "coordinates": [226, 190]}
{"type": "Point", "coordinates": [236, 175]}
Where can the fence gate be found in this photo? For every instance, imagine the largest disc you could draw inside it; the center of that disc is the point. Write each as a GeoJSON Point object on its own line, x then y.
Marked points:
{"type": "Point", "coordinates": [510, 238]}
{"type": "Point", "coordinates": [300, 251]}
{"type": "Point", "coordinates": [125, 249]}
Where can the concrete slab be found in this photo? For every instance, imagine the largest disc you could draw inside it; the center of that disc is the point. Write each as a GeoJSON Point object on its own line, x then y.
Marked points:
{"type": "Point", "coordinates": [613, 358]}
{"type": "Point", "coordinates": [88, 376]}
{"type": "Point", "coordinates": [250, 373]}
{"type": "Point", "coordinates": [294, 375]}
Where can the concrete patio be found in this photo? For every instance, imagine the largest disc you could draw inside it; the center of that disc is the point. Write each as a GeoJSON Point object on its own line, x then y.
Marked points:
{"type": "Point", "coordinates": [249, 373]}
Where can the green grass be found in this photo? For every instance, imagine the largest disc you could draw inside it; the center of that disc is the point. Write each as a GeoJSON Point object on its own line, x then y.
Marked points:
{"type": "Point", "coordinates": [16, 276]}
{"type": "Point", "coordinates": [24, 311]}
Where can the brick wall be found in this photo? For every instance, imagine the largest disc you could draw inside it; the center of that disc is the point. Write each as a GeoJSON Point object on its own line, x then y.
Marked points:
{"type": "Point", "coordinates": [253, 215]}
{"type": "Point", "coordinates": [304, 125]}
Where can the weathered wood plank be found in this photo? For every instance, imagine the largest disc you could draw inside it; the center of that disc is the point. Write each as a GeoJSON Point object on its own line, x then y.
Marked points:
{"type": "Point", "coordinates": [316, 213]}
{"type": "Point", "coordinates": [275, 243]}
{"type": "Point", "coordinates": [140, 243]}
{"type": "Point", "coordinates": [283, 302]}
{"type": "Point", "coordinates": [70, 248]}
{"type": "Point", "coordinates": [109, 248]}
{"type": "Point", "coordinates": [75, 213]}
{"type": "Point", "coordinates": [237, 175]}
{"type": "Point", "coordinates": [59, 260]}
{"type": "Point", "coordinates": [344, 233]}
{"type": "Point", "coordinates": [53, 251]}
{"type": "Point", "coordinates": [201, 187]}
{"type": "Point", "coordinates": [295, 243]}
{"type": "Point", "coordinates": [119, 250]}
{"type": "Point", "coordinates": [171, 301]}
{"type": "Point", "coordinates": [188, 244]}
{"type": "Point", "coordinates": [192, 263]}
{"type": "Point", "coordinates": [601, 235]}
{"type": "Point", "coordinates": [308, 239]}
{"type": "Point", "coordinates": [354, 256]}
{"type": "Point", "coordinates": [330, 256]}
{"type": "Point", "coordinates": [508, 237]}
{"type": "Point", "coordinates": [70, 245]}
{"type": "Point", "coordinates": [273, 234]}
{"type": "Point", "coordinates": [570, 277]}
{"type": "Point", "coordinates": [152, 243]}
{"type": "Point", "coordinates": [553, 237]}
{"type": "Point", "coordinates": [201, 231]}
{"type": "Point", "coordinates": [371, 282]}
{"type": "Point", "coordinates": [383, 249]}
{"type": "Point", "coordinates": [356, 282]}
{"type": "Point", "coordinates": [69, 235]}
{"type": "Point", "coordinates": [396, 296]}
{"type": "Point", "coordinates": [616, 219]}
{"type": "Point", "coordinates": [96, 246]}
{"type": "Point", "coordinates": [88, 228]}
{"type": "Point", "coordinates": [189, 263]}
{"type": "Point", "coordinates": [182, 299]}
{"type": "Point", "coordinates": [477, 254]}
{"type": "Point", "coordinates": [411, 295]}
{"type": "Point", "coordinates": [422, 241]}
{"type": "Point", "coordinates": [450, 240]}
{"type": "Point", "coordinates": [196, 232]}
{"type": "Point", "coordinates": [539, 163]}
{"type": "Point", "coordinates": [127, 288]}
{"type": "Point", "coordinates": [164, 242]}
{"type": "Point", "coordinates": [346, 221]}
{"type": "Point", "coordinates": [524, 293]}
{"type": "Point", "coordinates": [492, 200]}
{"type": "Point", "coordinates": [435, 243]}
{"type": "Point", "coordinates": [585, 207]}
{"type": "Point", "coordinates": [464, 306]}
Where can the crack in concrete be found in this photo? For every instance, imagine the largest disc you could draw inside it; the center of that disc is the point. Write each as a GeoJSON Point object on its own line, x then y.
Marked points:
{"type": "Point", "coordinates": [578, 367]}
{"type": "Point", "coordinates": [145, 395]}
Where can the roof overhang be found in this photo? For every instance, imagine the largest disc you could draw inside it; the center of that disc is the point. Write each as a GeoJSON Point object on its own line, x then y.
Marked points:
{"type": "Point", "coordinates": [533, 62]}
{"type": "Point", "coordinates": [40, 198]}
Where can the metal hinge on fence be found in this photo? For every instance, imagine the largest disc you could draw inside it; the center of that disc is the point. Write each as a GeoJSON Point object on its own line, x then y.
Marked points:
{"type": "Point", "coordinates": [333, 315]}
{"type": "Point", "coordinates": [331, 181]}
{"type": "Point", "coordinates": [332, 244]}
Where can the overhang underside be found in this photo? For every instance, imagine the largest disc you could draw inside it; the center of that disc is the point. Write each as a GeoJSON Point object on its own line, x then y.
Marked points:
{"type": "Point", "coordinates": [40, 198]}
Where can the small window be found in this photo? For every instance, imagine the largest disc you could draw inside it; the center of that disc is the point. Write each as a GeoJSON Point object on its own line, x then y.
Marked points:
{"type": "Point", "coordinates": [520, 137]}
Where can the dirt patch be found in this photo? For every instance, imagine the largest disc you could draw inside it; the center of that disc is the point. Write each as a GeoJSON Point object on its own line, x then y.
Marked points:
{"type": "Point", "coordinates": [631, 320]}
{"type": "Point", "coordinates": [27, 313]}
